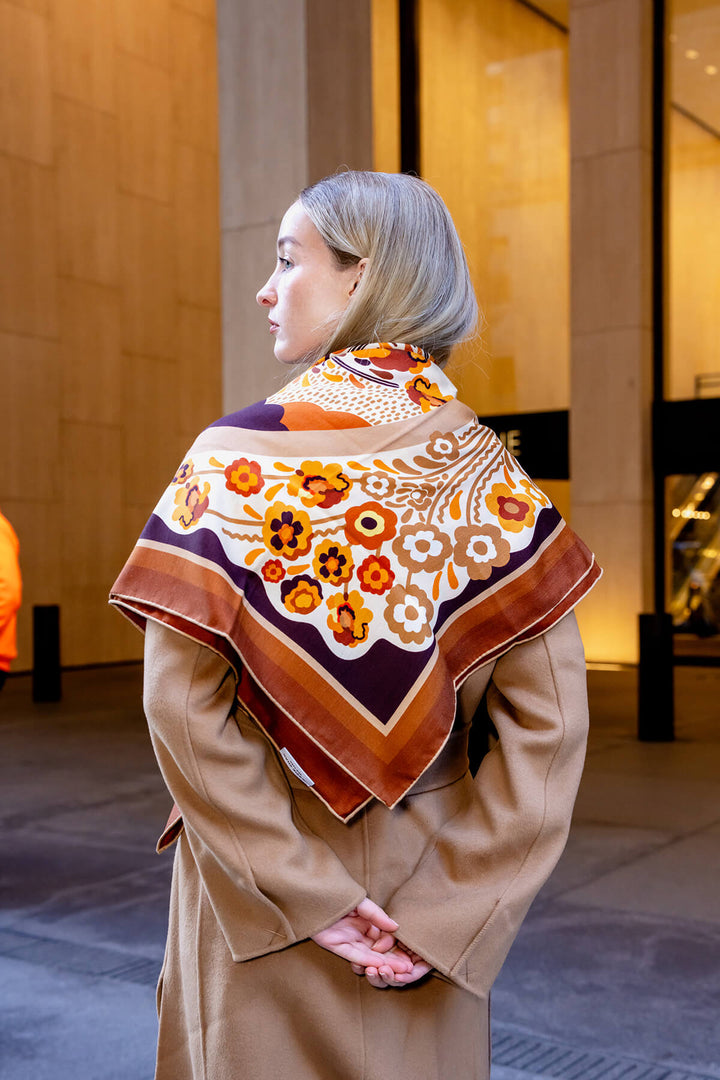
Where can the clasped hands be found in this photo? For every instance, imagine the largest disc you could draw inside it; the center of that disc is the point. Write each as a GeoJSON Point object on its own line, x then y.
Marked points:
{"type": "Point", "coordinates": [366, 938]}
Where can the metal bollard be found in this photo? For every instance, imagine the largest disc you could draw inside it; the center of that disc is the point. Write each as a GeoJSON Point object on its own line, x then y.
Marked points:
{"type": "Point", "coordinates": [656, 707]}
{"type": "Point", "coordinates": [46, 676]}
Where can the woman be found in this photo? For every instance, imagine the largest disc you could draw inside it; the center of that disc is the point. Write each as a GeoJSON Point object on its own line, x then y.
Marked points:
{"type": "Point", "coordinates": [331, 583]}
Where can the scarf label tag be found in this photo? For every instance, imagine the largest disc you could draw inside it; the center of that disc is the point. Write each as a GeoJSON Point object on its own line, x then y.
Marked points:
{"type": "Point", "coordinates": [295, 768]}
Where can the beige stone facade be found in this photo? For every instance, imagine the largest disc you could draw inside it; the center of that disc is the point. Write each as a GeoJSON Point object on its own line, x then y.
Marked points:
{"type": "Point", "coordinates": [137, 201]}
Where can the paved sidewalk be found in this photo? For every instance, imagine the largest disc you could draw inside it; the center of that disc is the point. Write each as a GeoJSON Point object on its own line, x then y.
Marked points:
{"type": "Point", "coordinates": [615, 975]}
{"type": "Point", "coordinates": [83, 896]}
{"type": "Point", "coordinates": [616, 972]}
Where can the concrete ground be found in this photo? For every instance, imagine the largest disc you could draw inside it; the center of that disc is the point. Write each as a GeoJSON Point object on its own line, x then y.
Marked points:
{"type": "Point", "coordinates": [614, 976]}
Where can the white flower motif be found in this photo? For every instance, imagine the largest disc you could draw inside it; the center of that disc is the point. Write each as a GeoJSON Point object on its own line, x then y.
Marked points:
{"type": "Point", "coordinates": [378, 485]}
{"type": "Point", "coordinates": [408, 614]}
{"type": "Point", "coordinates": [443, 446]}
{"type": "Point", "coordinates": [422, 547]}
{"type": "Point", "coordinates": [479, 549]}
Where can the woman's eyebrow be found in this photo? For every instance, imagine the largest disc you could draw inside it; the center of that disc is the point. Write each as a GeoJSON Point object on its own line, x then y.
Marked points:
{"type": "Point", "coordinates": [288, 240]}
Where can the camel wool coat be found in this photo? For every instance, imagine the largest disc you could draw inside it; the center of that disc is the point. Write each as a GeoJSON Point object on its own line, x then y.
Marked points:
{"type": "Point", "coordinates": [262, 865]}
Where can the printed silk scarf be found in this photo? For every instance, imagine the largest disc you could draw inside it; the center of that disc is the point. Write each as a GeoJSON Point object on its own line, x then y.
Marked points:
{"type": "Point", "coordinates": [355, 546]}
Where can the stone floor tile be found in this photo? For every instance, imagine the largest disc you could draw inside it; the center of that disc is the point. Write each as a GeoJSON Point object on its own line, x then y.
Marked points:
{"type": "Point", "coordinates": [62, 1026]}
{"type": "Point", "coordinates": [595, 850]}
{"type": "Point", "coordinates": [677, 879]}
{"type": "Point", "coordinates": [640, 986]}
{"type": "Point", "coordinates": [673, 803]}
{"type": "Point", "coordinates": [689, 758]}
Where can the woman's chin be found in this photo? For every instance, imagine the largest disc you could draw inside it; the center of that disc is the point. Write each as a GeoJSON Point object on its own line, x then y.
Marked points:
{"type": "Point", "coordinates": [283, 355]}
{"type": "Point", "coordinates": [286, 356]}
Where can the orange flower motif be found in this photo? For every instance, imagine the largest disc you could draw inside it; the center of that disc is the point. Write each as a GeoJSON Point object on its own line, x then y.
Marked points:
{"type": "Point", "coordinates": [191, 502]}
{"type": "Point", "coordinates": [419, 354]}
{"type": "Point", "coordinates": [479, 549]}
{"type": "Point", "coordinates": [369, 525]}
{"type": "Point", "coordinates": [273, 570]}
{"type": "Point", "coordinates": [319, 485]}
{"type": "Point", "coordinates": [348, 619]}
{"type": "Point", "coordinates": [421, 359]}
{"type": "Point", "coordinates": [408, 614]}
{"type": "Point", "coordinates": [388, 357]}
{"type": "Point", "coordinates": [333, 562]}
{"type": "Point", "coordinates": [425, 394]}
{"type": "Point", "coordinates": [375, 352]}
{"type": "Point", "coordinates": [514, 512]}
{"type": "Point", "coordinates": [287, 532]}
{"type": "Point", "coordinates": [244, 477]}
{"type": "Point", "coordinates": [301, 595]}
{"type": "Point", "coordinates": [375, 574]}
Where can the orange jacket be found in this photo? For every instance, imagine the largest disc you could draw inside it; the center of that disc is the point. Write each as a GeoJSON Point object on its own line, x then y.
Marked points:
{"type": "Point", "coordinates": [10, 592]}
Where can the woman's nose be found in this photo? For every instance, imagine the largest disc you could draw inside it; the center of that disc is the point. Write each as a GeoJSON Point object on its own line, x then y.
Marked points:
{"type": "Point", "coordinates": [266, 296]}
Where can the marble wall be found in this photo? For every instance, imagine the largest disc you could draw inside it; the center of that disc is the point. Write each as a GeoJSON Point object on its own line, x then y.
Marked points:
{"type": "Point", "coordinates": [109, 287]}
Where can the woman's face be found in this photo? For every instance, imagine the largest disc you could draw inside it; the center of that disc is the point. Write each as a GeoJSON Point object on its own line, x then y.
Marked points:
{"type": "Point", "coordinates": [307, 291]}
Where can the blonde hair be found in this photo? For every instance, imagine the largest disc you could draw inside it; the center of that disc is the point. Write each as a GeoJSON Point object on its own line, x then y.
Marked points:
{"type": "Point", "coordinates": [416, 285]}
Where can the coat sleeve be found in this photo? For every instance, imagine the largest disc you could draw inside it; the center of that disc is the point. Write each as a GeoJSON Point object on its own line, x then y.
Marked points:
{"type": "Point", "coordinates": [466, 899]}
{"type": "Point", "coordinates": [270, 880]}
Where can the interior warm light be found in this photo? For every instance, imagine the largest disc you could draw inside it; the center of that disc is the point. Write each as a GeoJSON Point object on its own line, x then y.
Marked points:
{"type": "Point", "coordinates": [697, 515]}
{"type": "Point", "coordinates": [710, 69]}
{"type": "Point", "coordinates": [599, 665]}
{"type": "Point", "coordinates": [691, 54]}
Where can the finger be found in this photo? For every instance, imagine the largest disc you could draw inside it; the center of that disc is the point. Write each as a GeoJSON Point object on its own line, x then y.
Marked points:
{"type": "Point", "coordinates": [368, 909]}
{"type": "Point", "coordinates": [384, 943]}
{"type": "Point", "coordinates": [376, 980]}
{"type": "Point", "coordinates": [392, 961]}
{"type": "Point", "coordinates": [357, 953]}
{"type": "Point", "coordinates": [415, 957]}
{"type": "Point", "coordinates": [419, 971]}
{"type": "Point", "coordinates": [358, 969]}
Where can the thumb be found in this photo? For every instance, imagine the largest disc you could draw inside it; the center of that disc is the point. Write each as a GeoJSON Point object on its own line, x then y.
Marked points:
{"type": "Point", "coordinates": [374, 914]}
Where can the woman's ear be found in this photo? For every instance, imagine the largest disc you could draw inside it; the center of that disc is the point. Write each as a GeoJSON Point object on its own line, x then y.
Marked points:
{"type": "Point", "coordinates": [359, 269]}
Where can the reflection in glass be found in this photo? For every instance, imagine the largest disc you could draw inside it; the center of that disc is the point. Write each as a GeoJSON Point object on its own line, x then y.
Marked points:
{"type": "Point", "coordinates": [693, 531]}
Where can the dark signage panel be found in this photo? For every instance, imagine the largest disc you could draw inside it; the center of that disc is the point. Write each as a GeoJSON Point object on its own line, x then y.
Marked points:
{"type": "Point", "coordinates": [539, 440]}
{"type": "Point", "coordinates": [687, 436]}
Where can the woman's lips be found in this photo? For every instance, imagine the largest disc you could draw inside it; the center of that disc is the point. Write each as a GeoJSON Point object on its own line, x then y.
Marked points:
{"type": "Point", "coordinates": [273, 327]}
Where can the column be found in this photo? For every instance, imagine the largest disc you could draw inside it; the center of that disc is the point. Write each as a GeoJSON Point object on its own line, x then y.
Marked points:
{"type": "Point", "coordinates": [611, 313]}
{"type": "Point", "coordinates": [295, 104]}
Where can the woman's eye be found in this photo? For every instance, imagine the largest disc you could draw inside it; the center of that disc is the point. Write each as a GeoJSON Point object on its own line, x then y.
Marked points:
{"type": "Point", "coordinates": [285, 263]}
